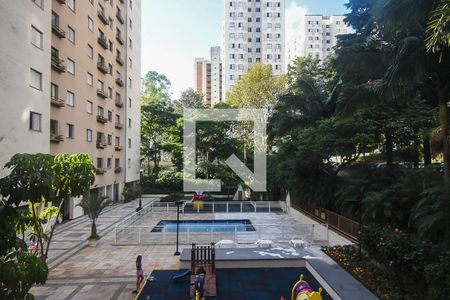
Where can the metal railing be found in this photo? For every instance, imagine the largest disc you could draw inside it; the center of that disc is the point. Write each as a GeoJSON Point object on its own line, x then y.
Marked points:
{"type": "Point", "coordinates": [204, 234]}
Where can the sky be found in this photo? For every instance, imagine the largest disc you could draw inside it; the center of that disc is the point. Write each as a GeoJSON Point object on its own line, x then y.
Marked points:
{"type": "Point", "coordinates": [175, 32]}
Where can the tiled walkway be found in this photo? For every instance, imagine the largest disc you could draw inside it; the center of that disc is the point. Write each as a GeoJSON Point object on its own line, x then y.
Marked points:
{"type": "Point", "coordinates": [78, 271]}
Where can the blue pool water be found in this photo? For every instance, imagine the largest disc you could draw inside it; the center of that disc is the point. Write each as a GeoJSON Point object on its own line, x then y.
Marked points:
{"type": "Point", "coordinates": [205, 226]}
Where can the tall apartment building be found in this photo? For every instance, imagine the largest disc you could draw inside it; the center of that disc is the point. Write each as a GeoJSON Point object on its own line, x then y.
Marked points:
{"type": "Point", "coordinates": [317, 37]}
{"type": "Point", "coordinates": [253, 31]}
{"type": "Point", "coordinates": [208, 77]}
{"type": "Point", "coordinates": [70, 79]}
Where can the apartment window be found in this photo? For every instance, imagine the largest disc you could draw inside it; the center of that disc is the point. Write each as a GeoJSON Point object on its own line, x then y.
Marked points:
{"type": "Point", "coordinates": [117, 161]}
{"type": "Point", "coordinates": [90, 79]}
{"type": "Point", "coordinates": [99, 162]}
{"type": "Point", "coordinates": [110, 69]}
{"type": "Point", "coordinates": [71, 34]}
{"type": "Point", "coordinates": [129, 122]}
{"type": "Point", "coordinates": [70, 100]}
{"type": "Point", "coordinates": [129, 143]}
{"type": "Point", "coordinates": [109, 163]}
{"type": "Point", "coordinates": [110, 93]}
{"type": "Point", "coordinates": [118, 119]}
{"type": "Point", "coordinates": [71, 4]}
{"type": "Point", "coordinates": [70, 131]}
{"type": "Point", "coordinates": [89, 135]}
{"type": "Point", "coordinates": [100, 85]}
{"type": "Point", "coordinates": [36, 37]}
{"type": "Point", "coordinates": [110, 45]}
{"type": "Point", "coordinates": [110, 23]}
{"type": "Point", "coordinates": [109, 139]}
{"type": "Point", "coordinates": [90, 24]}
{"type": "Point", "coordinates": [130, 62]}
{"type": "Point", "coordinates": [35, 79]}
{"type": "Point", "coordinates": [90, 51]}
{"type": "Point", "coordinates": [129, 102]}
{"type": "Point", "coordinates": [110, 116]}
{"type": "Point", "coordinates": [100, 111]}
{"type": "Point", "coordinates": [131, 4]}
{"type": "Point", "coordinates": [38, 3]}
{"type": "Point", "coordinates": [70, 66]}
{"type": "Point", "coordinates": [131, 24]}
{"type": "Point", "coordinates": [89, 107]}
{"type": "Point", "coordinates": [130, 42]}
{"type": "Point", "coordinates": [35, 121]}
{"type": "Point", "coordinates": [129, 163]}
{"type": "Point", "coordinates": [54, 91]}
{"type": "Point", "coordinates": [129, 82]}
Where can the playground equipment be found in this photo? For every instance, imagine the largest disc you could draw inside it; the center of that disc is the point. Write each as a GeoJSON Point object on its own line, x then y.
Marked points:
{"type": "Point", "coordinates": [303, 291]}
{"type": "Point", "coordinates": [205, 257]}
{"type": "Point", "coordinates": [198, 200]}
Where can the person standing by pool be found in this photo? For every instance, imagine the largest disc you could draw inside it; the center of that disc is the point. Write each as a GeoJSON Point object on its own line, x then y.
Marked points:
{"type": "Point", "coordinates": [139, 273]}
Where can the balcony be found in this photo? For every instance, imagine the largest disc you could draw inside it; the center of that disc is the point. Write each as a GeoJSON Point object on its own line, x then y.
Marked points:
{"type": "Point", "coordinates": [119, 17]}
{"type": "Point", "coordinates": [118, 148]}
{"type": "Point", "coordinates": [118, 170]}
{"type": "Point", "coordinates": [100, 171]}
{"type": "Point", "coordinates": [102, 93]}
{"type": "Point", "coordinates": [55, 101]}
{"type": "Point", "coordinates": [101, 15]}
{"type": "Point", "coordinates": [58, 65]}
{"type": "Point", "coordinates": [58, 31]}
{"type": "Point", "coordinates": [119, 38]}
{"type": "Point", "coordinates": [56, 138]}
{"type": "Point", "coordinates": [61, 1]}
{"type": "Point", "coordinates": [119, 103]}
{"type": "Point", "coordinates": [101, 119]}
{"type": "Point", "coordinates": [119, 82]}
{"type": "Point", "coordinates": [118, 125]}
{"type": "Point", "coordinates": [101, 144]}
{"type": "Point", "coordinates": [102, 67]}
{"type": "Point", "coordinates": [119, 60]}
{"type": "Point", "coordinates": [103, 42]}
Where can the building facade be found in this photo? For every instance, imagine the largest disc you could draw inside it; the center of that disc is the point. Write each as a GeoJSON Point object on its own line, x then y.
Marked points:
{"type": "Point", "coordinates": [253, 32]}
{"type": "Point", "coordinates": [317, 37]}
{"type": "Point", "coordinates": [208, 77]}
{"type": "Point", "coordinates": [86, 81]}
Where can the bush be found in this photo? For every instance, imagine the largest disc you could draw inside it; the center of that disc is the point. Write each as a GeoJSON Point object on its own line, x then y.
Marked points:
{"type": "Point", "coordinates": [131, 192]}
{"type": "Point", "coordinates": [165, 182]}
{"type": "Point", "coordinates": [438, 278]}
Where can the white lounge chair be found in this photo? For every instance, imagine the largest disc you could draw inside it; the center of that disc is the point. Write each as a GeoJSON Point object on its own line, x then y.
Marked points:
{"type": "Point", "coordinates": [226, 244]}
{"type": "Point", "coordinates": [264, 243]}
{"type": "Point", "coordinates": [297, 243]}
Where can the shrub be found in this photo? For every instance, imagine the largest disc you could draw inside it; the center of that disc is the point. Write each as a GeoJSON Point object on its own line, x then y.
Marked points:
{"type": "Point", "coordinates": [438, 278]}
{"type": "Point", "coordinates": [131, 192]}
{"type": "Point", "coordinates": [165, 182]}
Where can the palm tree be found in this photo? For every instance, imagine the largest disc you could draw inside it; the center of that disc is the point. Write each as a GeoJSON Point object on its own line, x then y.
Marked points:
{"type": "Point", "coordinates": [439, 28]}
{"type": "Point", "coordinates": [93, 206]}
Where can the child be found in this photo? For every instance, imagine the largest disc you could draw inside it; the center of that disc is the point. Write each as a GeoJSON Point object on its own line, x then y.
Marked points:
{"type": "Point", "coordinates": [139, 273]}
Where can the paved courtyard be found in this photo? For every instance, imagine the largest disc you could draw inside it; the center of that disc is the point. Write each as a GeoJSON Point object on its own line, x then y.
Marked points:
{"type": "Point", "coordinates": [107, 271]}
{"type": "Point", "coordinates": [78, 271]}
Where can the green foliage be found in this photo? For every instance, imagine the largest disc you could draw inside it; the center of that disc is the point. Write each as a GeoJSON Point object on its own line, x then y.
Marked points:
{"type": "Point", "coordinates": [438, 277]}
{"type": "Point", "coordinates": [131, 192]}
{"type": "Point", "coordinates": [19, 271]}
{"type": "Point", "coordinates": [189, 99]}
{"type": "Point", "coordinates": [166, 182]}
{"type": "Point", "coordinates": [93, 206]}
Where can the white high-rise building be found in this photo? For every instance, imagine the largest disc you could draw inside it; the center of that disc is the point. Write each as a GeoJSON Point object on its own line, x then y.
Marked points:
{"type": "Point", "coordinates": [253, 31]}
{"type": "Point", "coordinates": [317, 36]}
{"type": "Point", "coordinates": [216, 76]}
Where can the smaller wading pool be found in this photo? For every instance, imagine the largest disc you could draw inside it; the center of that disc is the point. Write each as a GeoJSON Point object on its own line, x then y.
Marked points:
{"type": "Point", "coordinates": [204, 226]}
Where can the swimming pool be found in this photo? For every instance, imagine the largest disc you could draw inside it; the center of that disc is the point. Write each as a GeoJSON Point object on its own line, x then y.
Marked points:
{"type": "Point", "coordinates": [204, 226]}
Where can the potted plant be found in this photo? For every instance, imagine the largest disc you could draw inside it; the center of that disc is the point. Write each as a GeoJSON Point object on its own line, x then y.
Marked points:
{"type": "Point", "coordinates": [93, 206]}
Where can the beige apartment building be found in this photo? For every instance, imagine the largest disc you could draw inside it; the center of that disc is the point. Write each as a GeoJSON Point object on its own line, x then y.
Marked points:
{"type": "Point", "coordinates": [70, 75]}
{"type": "Point", "coordinates": [208, 77]}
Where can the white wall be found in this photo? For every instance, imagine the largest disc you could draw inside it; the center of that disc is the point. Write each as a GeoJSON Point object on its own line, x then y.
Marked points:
{"type": "Point", "coordinates": [133, 112]}
{"type": "Point", "coordinates": [17, 98]}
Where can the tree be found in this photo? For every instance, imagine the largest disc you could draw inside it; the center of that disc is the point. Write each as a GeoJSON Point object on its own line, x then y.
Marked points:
{"type": "Point", "coordinates": [93, 206]}
{"type": "Point", "coordinates": [156, 88]}
{"type": "Point", "coordinates": [259, 88]}
{"type": "Point", "coordinates": [439, 27]}
{"type": "Point", "coordinates": [188, 99]}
